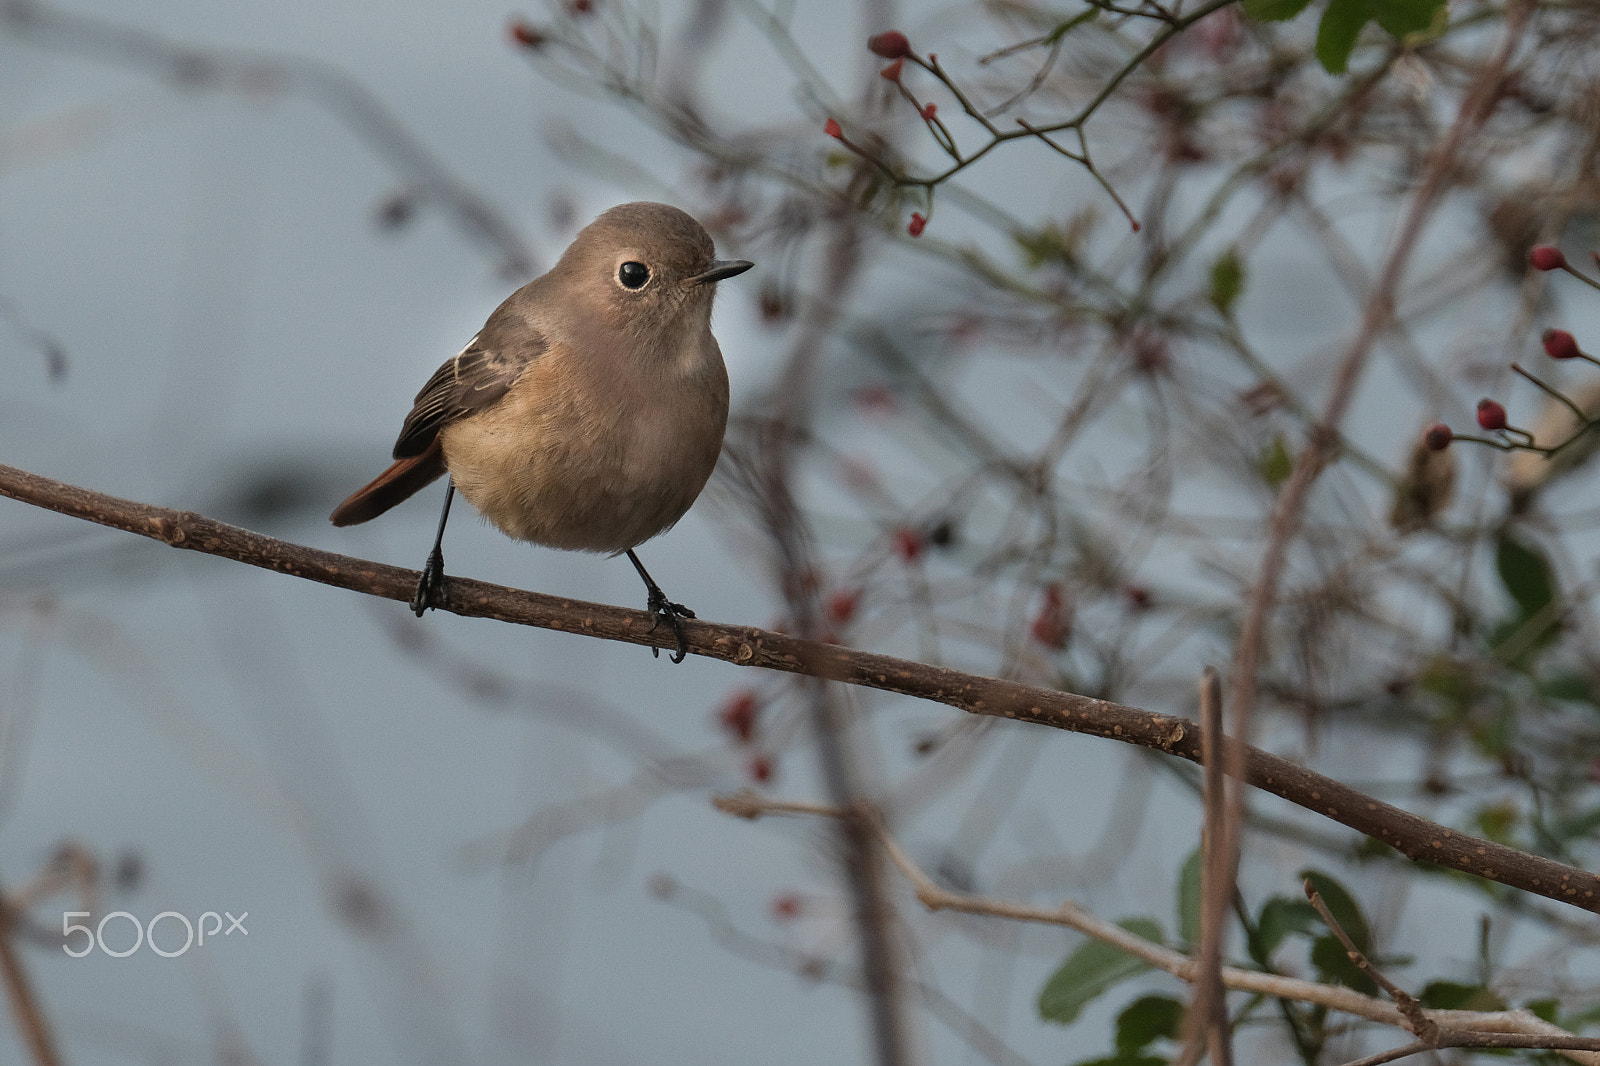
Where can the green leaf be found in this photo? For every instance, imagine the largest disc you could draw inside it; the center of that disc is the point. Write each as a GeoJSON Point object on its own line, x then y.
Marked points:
{"type": "Point", "coordinates": [1548, 1009]}
{"type": "Point", "coordinates": [1576, 1023]}
{"type": "Point", "coordinates": [1276, 464]}
{"type": "Point", "coordinates": [1526, 574]}
{"type": "Point", "coordinates": [1342, 905]}
{"type": "Point", "coordinates": [1404, 17]}
{"type": "Point", "coordinates": [1227, 280]}
{"type": "Point", "coordinates": [1497, 821]}
{"type": "Point", "coordinates": [1448, 995]}
{"type": "Point", "coordinates": [1189, 899]}
{"type": "Point", "coordinates": [1574, 688]}
{"type": "Point", "coordinates": [1450, 680]}
{"type": "Point", "coordinates": [1274, 10]}
{"type": "Point", "coordinates": [1091, 970]}
{"type": "Point", "coordinates": [1146, 1020]}
{"type": "Point", "coordinates": [1281, 916]}
{"type": "Point", "coordinates": [1337, 32]}
{"type": "Point", "coordinates": [1041, 246]}
{"type": "Point", "coordinates": [1334, 963]}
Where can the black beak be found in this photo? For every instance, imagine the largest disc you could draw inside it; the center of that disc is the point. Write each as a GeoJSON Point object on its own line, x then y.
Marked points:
{"type": "Point", "coordinates": [720, 270]}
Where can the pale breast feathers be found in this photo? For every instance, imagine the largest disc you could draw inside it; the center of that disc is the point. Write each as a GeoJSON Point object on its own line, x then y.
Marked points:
{"type": "Point", "coordinates": [464, 386]}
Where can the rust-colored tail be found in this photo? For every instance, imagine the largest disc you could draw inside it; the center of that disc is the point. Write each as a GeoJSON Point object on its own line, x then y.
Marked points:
{"type": "Point", "coordinates": [397, 483]}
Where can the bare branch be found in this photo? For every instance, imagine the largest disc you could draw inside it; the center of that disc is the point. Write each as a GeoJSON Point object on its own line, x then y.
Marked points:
{"type": "Point", "coordinates": [1208, 1018]}
{"type": "Point", "coordinates": [1417, 1020]}
{"type": "Point", "coordinates": [24, 1004]}
{"type": "Point", "coordinates": [1411, 835]}
{"type": "Point", "coordinates": [1507, 1029]}
{"type": "Point", "coordinates": [1284, 524]}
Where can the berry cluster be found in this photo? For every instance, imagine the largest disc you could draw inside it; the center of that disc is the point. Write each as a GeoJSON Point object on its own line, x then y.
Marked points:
{"type": "Point", "coordinates": [1558, 344]}
{"type": "Point", "coordinates": [896, 47]}
{"type": "Point", "coordinates": [739, 717]}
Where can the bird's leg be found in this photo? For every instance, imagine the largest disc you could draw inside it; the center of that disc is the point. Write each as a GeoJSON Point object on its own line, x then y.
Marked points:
{"type": "Point", "coordinates": [430, 587]}
{"type": "Point", "coordinates": [661, 607]}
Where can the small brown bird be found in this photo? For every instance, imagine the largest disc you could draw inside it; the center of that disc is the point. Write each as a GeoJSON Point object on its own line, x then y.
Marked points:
{"type": "Point", "coordinates": [588, 412]}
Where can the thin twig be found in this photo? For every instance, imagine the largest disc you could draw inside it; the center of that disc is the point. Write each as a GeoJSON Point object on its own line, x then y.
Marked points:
{"type": "Point", "coordinates": [1426, 1026]}
{"type": "Point", "coordinates": [1417, 1020]}
{"type": "Point", "coordinates": [24, 1004]}
{"type": "Point", "coordinates": [1284, 525]}
{"type": "Point", "coordinates": [1392, 1054]}
{"type": "Point", "coordinates": [1508, 1028]}
{"type": "Point", "coordinates": [1554, 393]}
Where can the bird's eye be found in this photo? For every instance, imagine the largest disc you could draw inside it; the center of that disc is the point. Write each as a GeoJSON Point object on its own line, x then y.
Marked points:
{"type": "Point", "coordinates": [633, 275]}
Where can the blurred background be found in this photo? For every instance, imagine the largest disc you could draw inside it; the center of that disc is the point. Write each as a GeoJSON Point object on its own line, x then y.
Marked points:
{"type": "Point", "coordinates": [980, 420]}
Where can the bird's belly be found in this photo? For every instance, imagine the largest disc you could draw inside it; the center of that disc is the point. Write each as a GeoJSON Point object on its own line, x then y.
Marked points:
{"type": "Point", "coordinates": [548, 473]}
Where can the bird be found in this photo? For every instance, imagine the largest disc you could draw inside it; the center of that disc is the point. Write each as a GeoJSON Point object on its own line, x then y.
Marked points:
{"type": "Point", "coordinates": [588, 412]}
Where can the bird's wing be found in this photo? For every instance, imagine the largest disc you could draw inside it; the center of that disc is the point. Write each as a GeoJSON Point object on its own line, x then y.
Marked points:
{"type": "Point", "coordinates": [465, 385]}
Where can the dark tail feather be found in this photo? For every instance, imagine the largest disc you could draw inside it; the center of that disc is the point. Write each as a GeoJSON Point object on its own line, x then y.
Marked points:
{"type": "Point", "coordinates": [399, 482]}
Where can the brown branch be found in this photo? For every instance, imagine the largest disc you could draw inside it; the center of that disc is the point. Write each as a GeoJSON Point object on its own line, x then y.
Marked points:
{"type": "Point", "coordinates": [1379, 310]}
{"type": "Point", "coordinates": [1464, 1028]}
{"type": "Point", "coordinates": [1392, 1055]}
{"type": "Point", "coordinates": [24, 1005]}
{"type": "Point", "coordinates": [1422, 1027]}
{"type": "Point", "coordinates": [1208, 1018]}
{"type": "Point", "coordinates": [1411, 835]}
{"type": "Point", "coordinates": [1429, 1033]}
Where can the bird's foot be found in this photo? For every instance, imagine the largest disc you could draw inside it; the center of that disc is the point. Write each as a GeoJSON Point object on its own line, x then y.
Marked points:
{"type": "Point", "coordinates": [430, 587]}
{"type": "Point", "coordinates": [674, 614]}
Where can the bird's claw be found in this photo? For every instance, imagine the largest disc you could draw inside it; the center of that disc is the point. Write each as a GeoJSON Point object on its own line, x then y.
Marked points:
{"type": "Point", "coordinates": [430, 586]}
{"type": "Point", "coordinates": [660, 607]}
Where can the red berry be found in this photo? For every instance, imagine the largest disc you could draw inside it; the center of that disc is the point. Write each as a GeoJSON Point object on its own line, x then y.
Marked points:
{"type": "Point", "coordinates": [831, 128]}
{"type": "Point", "coordinates": [1438, 437]}
{"type": "Point", "coordinates": [918, 224]}
{"type": "Point", "coordinates": [760, 769]}
{"type": "Point", "coordinates": [1547, 257]}
{"type": "Point", "coordinates": [738, 715]}
{"type": "Point", "coordinates": [1491, 414]}
{"type": "Point", "coordinates": [1559, 344]}
{"type": "Point", "coordinates": [1052, 626]}
{"type": "Point", "coordinates": [876, 398]}
{"type": "Point", "coordinates": [892, 71]}
{"type": "Point", "coordinates": [526, 34]}
{"type": "Point", "coordinates": [786, 906]}
{"type": "Point", "coordinates": [842, 606]}
{"type": "Point", "coordinates": [890, 44]}
{"type": "Point", "coordinates": [1138, 596]}
{"type": "Point", "coordinates": [929, 111]}
{"type": "Point", "coordinates": [907, 544]}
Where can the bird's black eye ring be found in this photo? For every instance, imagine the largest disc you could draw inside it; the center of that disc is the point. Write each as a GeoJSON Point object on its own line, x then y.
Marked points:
{"type": "Point", "coordinates": [633, 275]}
